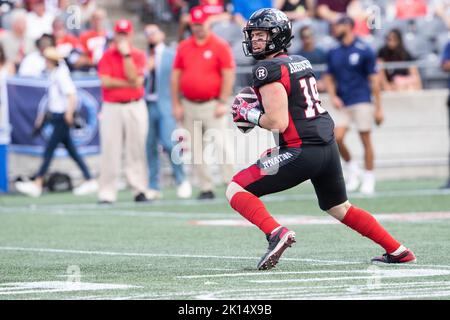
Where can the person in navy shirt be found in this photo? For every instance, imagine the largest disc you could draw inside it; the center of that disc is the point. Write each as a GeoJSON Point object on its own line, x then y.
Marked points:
{"type": "Point", "coordinates": [446, 67]}
{"type": "Point", "coordinates": [351, 81]}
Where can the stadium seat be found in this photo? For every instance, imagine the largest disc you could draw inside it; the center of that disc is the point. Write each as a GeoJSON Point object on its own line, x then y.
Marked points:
{"type": "Point", "coordinates": [239, 57]}
{"type": "Point", "coordinates": [320, 27]}
{"type": "Point", "coordinates": [417, 45]}
{"type": "Point", "coordinates": [297, 25]}
{"type": "Point", "coordinates": [295, 46]}
{"type": "Point", "coordinates": [374, 42]}
{"type": "Point", "coordinates": [326, 43]}
{"type": "Point", "coordinates": [433, 75]}
{"type": "Point", "coordinates": [387, 25]}
{"type": "Point", "coordinates": [429, 27]}
{"type": "Point", "coordinates": [442, 41]}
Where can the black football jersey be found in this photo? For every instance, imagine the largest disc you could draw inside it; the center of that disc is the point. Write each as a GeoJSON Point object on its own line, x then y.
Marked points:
{"type": "Point", "coordinates": [309, 122]}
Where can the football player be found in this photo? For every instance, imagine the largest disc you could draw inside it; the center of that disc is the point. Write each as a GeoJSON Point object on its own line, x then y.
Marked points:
{"type": "Point", "coordinates": [291, 108]}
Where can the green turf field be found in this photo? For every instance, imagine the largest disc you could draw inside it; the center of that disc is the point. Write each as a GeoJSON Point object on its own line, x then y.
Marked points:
{"type": "Point", "coordinates": [63, 247]}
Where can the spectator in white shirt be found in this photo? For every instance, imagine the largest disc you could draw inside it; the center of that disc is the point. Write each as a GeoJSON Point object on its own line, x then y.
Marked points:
{"type": "Point", "coordinates": [61, 108]}
{"type": "Point", "coordinates": [33, 65]}
{"type": "Point", "coordinates": [15, 41]}
{"type": "Point", "coordinates": [39, 20]}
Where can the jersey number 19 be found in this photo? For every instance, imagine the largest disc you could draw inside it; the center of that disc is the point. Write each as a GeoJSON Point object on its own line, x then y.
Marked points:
{"type": "Point", "coordinates": [314, 107]}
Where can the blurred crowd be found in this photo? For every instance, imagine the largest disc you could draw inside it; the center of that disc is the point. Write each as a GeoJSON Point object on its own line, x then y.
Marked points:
{"type": "Point", "coordinates": [397, 31]}
{"type": "Point", "coordinates": [176, 87]}
{"type": "Point", "coordinates": [78, 29]}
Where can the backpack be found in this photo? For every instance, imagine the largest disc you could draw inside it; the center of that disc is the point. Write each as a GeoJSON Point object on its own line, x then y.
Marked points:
{"type": "Point", "coordinates": [59, 182]}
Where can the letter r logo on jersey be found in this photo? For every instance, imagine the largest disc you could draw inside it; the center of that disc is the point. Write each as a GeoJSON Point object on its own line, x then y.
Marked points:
{"type": "Point", "coordinates": [261, 73]}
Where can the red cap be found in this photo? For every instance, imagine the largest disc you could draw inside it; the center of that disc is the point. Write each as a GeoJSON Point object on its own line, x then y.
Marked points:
{"type": "Point", "coordinates": [123, 26]}
{"type": "Point", "coordinates": [198, 15]}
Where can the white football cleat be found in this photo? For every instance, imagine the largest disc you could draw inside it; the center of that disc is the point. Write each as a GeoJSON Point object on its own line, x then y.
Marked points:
{"type": "Point", "coordinates": [86, 188]}
{"type": "Point", "coordinates": [28, 188]}
{"type": "Point", "coordinates": [184, 190]}
{"type": "Point", "coordinates": [352, 179]}
{"type": "Point", "coordinates": [368, 184]}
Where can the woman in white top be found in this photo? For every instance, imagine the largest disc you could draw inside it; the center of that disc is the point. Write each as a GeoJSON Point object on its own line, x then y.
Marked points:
{"type": "Point", "coordinates": [61, 105]}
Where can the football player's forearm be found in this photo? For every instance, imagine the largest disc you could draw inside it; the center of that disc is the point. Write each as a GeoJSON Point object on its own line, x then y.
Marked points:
{"type": "Point", "coordinates": [275, 101]}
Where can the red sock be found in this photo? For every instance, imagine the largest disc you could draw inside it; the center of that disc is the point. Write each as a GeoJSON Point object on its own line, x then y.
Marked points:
{"type": "Point", "coordinates": [252, 209]}
{"type": "Point", "coordinates": [363, 222]}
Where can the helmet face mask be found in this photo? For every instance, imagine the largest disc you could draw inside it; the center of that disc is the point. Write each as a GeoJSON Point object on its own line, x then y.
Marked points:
{"type": "Point", "coordinates": [279, 30]}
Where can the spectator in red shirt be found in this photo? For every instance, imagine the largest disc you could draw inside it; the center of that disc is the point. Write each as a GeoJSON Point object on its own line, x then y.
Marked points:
{"type": "Point", "coordinates": [203, 75]}
{"type": "Point", "coordinates": [95, 40]}
{"type": "Point", "coordinates": [124, 116]}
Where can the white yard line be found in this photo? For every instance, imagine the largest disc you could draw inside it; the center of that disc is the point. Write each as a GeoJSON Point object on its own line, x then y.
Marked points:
{"type": "Point", "coordinates": [337, 278]}
{"type": "Point", "coordinates": [258, 274]}
{"type": "Point", "coordinates": [304, 220]}
{"type": "Point", "coordinates": [194, 256]}
{"type": "Point", "coordinates": [339, 291]}
{"type": "Point", "coordinates": [127, 213]}
{"type": "Point", "coordinates": [374, 272]}
{"type": "Point", "coordinates": [393, 291]}
{"type": "Point", "coordinates": [341, 296]}
{"type": "Point", "coordinates": [20, 288]}
{"type": "Point", "coordinates": [269, 198]}
{"type": "Point", "coordinates": [136, 254]}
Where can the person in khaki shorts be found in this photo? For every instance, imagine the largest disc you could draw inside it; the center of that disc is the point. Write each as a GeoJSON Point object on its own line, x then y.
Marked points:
{"type": "Point", "coordinates": [124, 116]}
{"type": "Point", "coordinates": [351, 80]}
{"type": "Point", "coordinates": [203, 73]}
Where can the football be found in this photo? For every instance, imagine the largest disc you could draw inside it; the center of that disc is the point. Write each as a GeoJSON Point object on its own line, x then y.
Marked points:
{"type": "Point", "coordinates": [246, 94]}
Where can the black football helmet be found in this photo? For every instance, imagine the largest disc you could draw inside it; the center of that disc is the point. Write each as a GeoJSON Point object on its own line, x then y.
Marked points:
{"type": "Point", "coordinates": [276, 23]}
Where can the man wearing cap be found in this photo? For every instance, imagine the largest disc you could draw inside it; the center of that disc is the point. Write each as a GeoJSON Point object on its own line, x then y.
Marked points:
{"type": "Point", "coordinates": [203, 74]}
{"type": "Point", "coordinates": [351, 81]}
{"type": "Point", "coordinates": [124, 116]}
